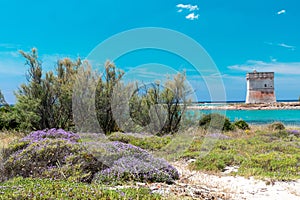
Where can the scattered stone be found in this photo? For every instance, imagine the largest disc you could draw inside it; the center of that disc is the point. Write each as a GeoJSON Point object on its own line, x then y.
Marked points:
{"type": "Point", "coordinates": [230, 169]}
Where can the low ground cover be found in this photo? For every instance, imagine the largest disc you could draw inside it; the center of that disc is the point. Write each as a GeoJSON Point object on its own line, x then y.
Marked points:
{"type": "Point", "coordinates": [28, 188]}
{"type": "Point", "coordinates": [260, 152]}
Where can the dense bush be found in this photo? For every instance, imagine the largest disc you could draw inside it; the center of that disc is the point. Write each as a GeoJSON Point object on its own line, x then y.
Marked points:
{"type": "Point", "coordinates": [241, 124]}
{"type": "Point", "coordinates": [7, 119]}
{"type": "Point", "coordinates": [50, 154]}
{"type": "Point", "coordinates": [276, 126]}
{"type": "Point", "coordinates": [130, 163]}
{"type": "Point", "coordinates": [45, 101]}
{"type": "Point", "coordinates": [215, 121]}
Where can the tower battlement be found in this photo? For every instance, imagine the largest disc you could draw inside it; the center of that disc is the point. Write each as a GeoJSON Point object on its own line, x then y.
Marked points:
{"type": "Point", "coordinates": [260, 75]}
{"type": "Point", "coordinates": [260, 87]}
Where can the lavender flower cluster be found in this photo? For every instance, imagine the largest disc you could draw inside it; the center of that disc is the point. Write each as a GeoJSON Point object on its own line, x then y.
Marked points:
{"type": "Point", "coordinates": [51, 134]}
{"type": "Point", "coordinates": [41, 152]}
{"type": "Point", "coordinates": [294, 132]}
{"type": "Point", "coordinates": [133, 163]}
{"type": "Point", "coordinates": [54, 153]}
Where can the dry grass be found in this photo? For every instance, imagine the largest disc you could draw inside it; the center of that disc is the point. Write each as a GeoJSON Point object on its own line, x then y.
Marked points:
{"type": "Point", "coordinates": [8, 137]}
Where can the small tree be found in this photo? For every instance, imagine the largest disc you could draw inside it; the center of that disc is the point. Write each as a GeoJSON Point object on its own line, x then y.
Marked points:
{"type": "Point", "coordinates": [176, 97]}
{"type": "Point", "coordinates": [49, 94]}
{"type": "Point", "coordinates": [160, 107]}
{"type": "Point", "coordinates": [104, 97]}
{"type": "Point", "coordinates": [83, 100]}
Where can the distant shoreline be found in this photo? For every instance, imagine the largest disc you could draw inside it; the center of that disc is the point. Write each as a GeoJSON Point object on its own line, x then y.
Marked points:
{"type": "Point", "coordinates": [243, 106]}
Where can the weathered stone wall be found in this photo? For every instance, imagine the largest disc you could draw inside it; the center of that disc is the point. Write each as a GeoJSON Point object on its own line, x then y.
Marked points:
{"type": "Point", "coordinates": [260, 87]}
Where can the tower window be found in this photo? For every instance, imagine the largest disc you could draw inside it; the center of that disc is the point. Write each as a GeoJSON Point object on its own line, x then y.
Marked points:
{"type": "Point", "coordinates": [265, 85]}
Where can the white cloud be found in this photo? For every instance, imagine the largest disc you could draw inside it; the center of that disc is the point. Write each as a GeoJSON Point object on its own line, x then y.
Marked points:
{"type": "Point", "coordinates": [192, 16]}
{"type": "Point", "coordinates": [286, 46]}
{"type": "Point", "coordinates": [282, 45]}
{"type": "Point", "coordinates": [291, 68]}
{"type": "Point", "coordinates": [190, 11]}
{"type": "Point", "coordinates": [281, 12]}
{"type": "Point", "coordinates": [188, 7]}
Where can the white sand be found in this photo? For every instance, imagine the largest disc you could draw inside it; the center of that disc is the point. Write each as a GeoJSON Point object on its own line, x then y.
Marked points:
{"type": "Point", "coordinates": [240, 187]}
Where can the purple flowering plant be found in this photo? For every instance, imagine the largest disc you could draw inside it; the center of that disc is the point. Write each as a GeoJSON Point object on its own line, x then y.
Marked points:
{"type": "Point", "coordinates": [53, 153]}
{"type": "Point", "coordinates": [59, 154]}
{"type": "Point", "coordinates": [39, 135]}
{"type": "Point", "coordinates": [131, 163]}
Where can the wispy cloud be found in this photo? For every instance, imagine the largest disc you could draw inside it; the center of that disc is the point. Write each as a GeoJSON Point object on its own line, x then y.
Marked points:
{"type": "Point", "coordinates": [188, 7]}
{"type": "Point", "coordinates": [290, 47]}
{"type": "Point", "coordinates": [192, 16]}
{"type": "Point", "coordinates": [286, 46]}
{"type": "Point", "coordinates": [291, 68]}
{"type": "Point", "coordinates": [281, 12]}
{"type": "Point", "coordinates": [9, 46]}
{"type": "Point", "coordinates": [189, 10]}
{"type": "Point", "coordinates": [9, 54]}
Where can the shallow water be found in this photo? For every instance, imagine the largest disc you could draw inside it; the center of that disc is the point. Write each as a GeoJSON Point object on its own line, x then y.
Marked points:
{"type": "Point", "coordinates": [288, 117]}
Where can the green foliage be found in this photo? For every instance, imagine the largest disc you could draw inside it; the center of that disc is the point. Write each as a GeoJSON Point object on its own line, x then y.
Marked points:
{"type": "Point", "coordinates": [144, 142]}
{"type": "Point", "coordinates": [215, 121]}
{"type": "Point", "coordinates": [46, 100]}
{"type": "Point", "coordinates": [25, 113]}
{"type": "Point", "coordinates": [276, 126]}
{"type": "Point", "coordinates": [7, 120]}
{"type": "Point", "coordinates": [20, 188]}
{"type": "Point", "coordinates": [159, 108]}
{"type": "Point", "coordinates": [83, 100]}
{"type": "Point", "coordinates": [104, 97]}
{"type": "Point", "coordinates": [241, 124]}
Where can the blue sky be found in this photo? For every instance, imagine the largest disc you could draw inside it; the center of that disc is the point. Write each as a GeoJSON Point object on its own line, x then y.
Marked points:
{"type": "Point", "coordinates": [238, 35]}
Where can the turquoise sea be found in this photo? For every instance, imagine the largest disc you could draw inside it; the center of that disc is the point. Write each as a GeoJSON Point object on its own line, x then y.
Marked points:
{"type": "Point", "coordinates": [288, 117]}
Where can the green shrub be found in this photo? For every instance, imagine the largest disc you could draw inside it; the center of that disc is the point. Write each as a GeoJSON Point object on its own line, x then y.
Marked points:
{"type": "Point", "coordinates": [276, 126]}
{"type": "Point", "coordinates": [241, 124]}
{"type": "Point", "coordinates": [215, 121]}
{"type": "Point", "coordinates": [8, 119]}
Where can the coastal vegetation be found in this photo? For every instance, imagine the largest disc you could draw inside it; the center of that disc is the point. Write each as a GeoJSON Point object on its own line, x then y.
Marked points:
{"type": "Point", "coordinates": [45, 101]}
{"type": "Point", "coordinates": [256, 152]}
{"type": "Point", "coordinates": [46, 155]}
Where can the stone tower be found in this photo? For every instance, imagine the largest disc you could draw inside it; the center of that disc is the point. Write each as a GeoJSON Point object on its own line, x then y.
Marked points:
{"type": "Point", "coordinates": [260, 87]}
